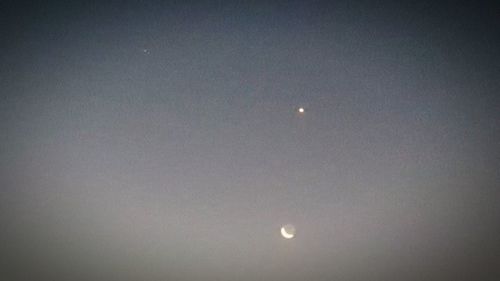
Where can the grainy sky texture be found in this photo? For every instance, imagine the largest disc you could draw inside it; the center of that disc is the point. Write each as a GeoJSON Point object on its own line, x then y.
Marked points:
{"type": "Point", "coordinates": [161, 140]}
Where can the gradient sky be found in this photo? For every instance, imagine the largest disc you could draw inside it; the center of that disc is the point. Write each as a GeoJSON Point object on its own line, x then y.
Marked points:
{"type": "Point", "coordinates": [160, 140]}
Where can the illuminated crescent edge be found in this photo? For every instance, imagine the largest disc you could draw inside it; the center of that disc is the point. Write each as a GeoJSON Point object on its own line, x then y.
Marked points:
{"type": "Point", "coordinates": [286, 234]}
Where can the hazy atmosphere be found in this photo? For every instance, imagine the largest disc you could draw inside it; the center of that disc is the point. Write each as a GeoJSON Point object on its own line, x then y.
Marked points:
{"type": "Point", "coordinates": [172, 140]}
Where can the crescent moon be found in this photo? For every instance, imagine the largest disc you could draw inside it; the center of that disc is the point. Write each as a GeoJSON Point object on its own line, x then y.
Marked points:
{"type": "Point", "coordinates": [286, 234]}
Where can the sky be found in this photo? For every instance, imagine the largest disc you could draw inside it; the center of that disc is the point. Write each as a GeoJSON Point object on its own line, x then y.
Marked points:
{"type": "Point", "coordinates": [161, 140]}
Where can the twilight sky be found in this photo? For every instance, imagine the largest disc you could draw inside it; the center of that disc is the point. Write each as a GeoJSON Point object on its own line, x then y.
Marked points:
{"type": "Point", "coordinates": [161, 141]}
